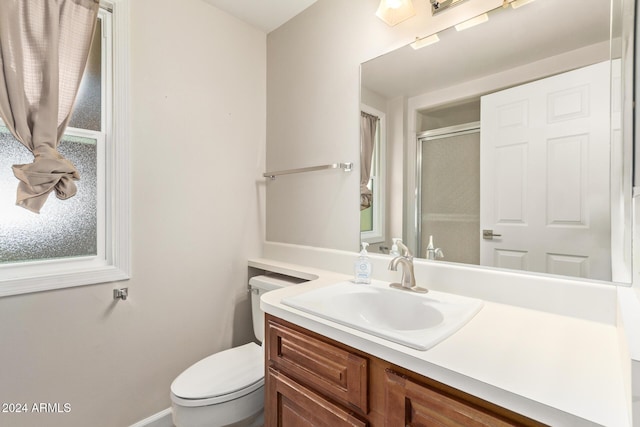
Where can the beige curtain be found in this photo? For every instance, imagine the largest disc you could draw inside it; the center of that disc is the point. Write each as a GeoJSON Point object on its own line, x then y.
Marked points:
{"type": "Point", "coordinates": [44, 46]}
{"type": "Point", "coordinates": [368, 125]}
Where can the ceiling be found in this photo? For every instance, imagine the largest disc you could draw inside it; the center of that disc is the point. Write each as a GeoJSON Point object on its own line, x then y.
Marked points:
{"type": "Point", "coordinates": [266, 15]}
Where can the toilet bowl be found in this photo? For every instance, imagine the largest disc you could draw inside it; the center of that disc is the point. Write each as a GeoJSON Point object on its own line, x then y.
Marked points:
{"type": "Point", "coordinates": [227, 388]}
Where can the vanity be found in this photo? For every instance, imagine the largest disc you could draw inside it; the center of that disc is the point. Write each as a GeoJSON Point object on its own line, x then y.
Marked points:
{"type": "Point", "coordinates": [308, 372]}
{"type": "Point", "coordinates": [509, 365]}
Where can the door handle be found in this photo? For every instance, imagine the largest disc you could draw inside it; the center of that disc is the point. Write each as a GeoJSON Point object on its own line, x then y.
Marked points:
{"type": "Point", "coordinates": [489, 235]}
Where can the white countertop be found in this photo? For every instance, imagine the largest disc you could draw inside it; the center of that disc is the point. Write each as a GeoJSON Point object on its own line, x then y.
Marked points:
{"type": "Point", "coordinates": [559, 370]}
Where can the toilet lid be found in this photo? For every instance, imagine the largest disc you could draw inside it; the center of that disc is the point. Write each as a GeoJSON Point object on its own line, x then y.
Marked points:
{"type": "Point", "coordinates": [221, 374]}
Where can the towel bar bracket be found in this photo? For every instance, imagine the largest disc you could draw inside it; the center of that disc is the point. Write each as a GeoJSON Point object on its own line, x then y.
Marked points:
{"type": "Point", "coordinates": [121, 294]}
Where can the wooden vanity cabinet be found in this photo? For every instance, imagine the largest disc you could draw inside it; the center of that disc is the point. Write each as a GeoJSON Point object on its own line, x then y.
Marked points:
{"type": "Point", "coordinates": [312, 380]}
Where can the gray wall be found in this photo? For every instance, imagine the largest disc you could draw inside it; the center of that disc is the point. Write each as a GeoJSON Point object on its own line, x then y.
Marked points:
{"type": "Point", "coordinates": [313, 84]}
{"type": "Point", "coordinates": [198, 120]}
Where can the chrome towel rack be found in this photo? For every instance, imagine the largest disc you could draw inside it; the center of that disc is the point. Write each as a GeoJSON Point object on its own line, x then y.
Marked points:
{"type": "Point", "coordinates": [345, 166]}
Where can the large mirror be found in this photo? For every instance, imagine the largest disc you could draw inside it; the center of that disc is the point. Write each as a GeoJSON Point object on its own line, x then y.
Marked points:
{"type": "Point", "coordinates": [507, 144]}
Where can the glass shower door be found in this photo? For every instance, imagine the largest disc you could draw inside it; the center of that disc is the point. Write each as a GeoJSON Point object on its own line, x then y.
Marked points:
{"type": "Point", "coordinates": [449, 192]}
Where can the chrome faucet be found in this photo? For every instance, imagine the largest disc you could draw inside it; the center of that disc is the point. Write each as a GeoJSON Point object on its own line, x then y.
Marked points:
{"type": "Point", "coordinates": [434, 253]}
{"type": "Point", "coordinates": [408, 281]}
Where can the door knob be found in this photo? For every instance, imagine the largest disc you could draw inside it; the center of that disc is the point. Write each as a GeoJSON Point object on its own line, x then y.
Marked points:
{"type": "Point", "coordinates": [489, 235]}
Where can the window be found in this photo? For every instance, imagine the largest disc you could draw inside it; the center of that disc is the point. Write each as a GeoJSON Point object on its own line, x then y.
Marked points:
{"type": "Point", "coordinates": [82, 240]}
{"type": "Point", "coordinates": [372, 220]}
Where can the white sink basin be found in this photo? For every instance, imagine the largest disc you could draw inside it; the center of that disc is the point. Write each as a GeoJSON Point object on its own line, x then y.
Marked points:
{"type": "Point", "coordinates": [418, 321]}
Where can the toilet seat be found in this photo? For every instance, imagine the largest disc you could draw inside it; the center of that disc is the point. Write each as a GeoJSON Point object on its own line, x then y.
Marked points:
{"type": "Point", "coordinates": [221, 377]}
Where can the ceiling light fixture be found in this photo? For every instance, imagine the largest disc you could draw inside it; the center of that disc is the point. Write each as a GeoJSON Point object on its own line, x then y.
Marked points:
{"type": "Point", "coordinates": [480, 19]}
{"type": "Point", "coordinates": [395, 11]}
{"type": "Point", "coordinates": [438, 6]}
{"type": "Point", "coordinates": [425, 41]}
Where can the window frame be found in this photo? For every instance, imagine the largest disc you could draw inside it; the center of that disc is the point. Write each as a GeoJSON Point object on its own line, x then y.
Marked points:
{"type": "Point", "coordinates": [112, 262]}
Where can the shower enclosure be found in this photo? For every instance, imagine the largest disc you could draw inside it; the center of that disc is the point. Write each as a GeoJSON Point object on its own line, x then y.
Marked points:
{"type": "Point", "coordinates": [448, 192]}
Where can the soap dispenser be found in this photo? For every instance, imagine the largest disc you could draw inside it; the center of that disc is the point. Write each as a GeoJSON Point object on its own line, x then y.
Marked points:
{"type": "Point", "coordinates": [394, 248]}
{"type": "Point", "coordinates": [363, 266]}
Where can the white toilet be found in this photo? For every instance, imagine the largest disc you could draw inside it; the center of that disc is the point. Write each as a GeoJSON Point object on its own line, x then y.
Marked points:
{"type": "Point", "coordinates": [227, 388]}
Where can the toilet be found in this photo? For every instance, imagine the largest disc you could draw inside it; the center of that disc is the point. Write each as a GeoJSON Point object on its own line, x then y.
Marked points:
{"type": "Point", "coordinates": [227, 388]}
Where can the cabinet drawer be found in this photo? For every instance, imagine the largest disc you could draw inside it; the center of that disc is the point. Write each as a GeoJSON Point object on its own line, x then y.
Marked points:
{"type": "Point", "coordinates": [326, 368]}
{"type": "Point", "coordinates": [292, 404]}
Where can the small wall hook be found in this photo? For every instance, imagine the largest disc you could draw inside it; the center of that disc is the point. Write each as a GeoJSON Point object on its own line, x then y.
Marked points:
{"type": "Point", "coordinates": [121, 293]}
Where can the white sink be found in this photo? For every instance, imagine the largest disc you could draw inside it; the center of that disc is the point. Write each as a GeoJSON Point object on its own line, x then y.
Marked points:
{"type": "Point", "coordinates": [415, 320]}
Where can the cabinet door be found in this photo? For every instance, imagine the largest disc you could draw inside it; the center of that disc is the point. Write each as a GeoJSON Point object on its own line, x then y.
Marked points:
{"type": "Point", "coordinates": [412, 404]}
{"type": "Point", "coordinates": [289, 404]}
{"type": "Point", "coordinates": [334, 372]}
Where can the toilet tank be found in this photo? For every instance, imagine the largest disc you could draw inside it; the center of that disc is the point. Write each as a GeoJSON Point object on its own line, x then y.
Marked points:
{"type": "Point", "coordinates": [258, 285]}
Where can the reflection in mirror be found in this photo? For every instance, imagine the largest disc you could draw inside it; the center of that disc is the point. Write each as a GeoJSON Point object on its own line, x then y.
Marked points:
{"type": "Point", "coordinates": [508, 144]}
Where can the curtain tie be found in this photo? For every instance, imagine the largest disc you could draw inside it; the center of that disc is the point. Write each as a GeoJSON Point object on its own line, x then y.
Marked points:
{"type": "Point", "coordinates": [366, 197]}
{"type": "Point", "coordinates": [48, 172]}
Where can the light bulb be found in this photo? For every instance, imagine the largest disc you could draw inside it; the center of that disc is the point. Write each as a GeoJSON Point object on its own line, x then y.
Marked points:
{"type": "Point", "coordinates": [517, 3]}
{"type": "Point", "coordinates": [480, 19]}
{"type": "Point", "coordinates": [425, 41]}
{"type": "Point", "coordinates": [394, 11]}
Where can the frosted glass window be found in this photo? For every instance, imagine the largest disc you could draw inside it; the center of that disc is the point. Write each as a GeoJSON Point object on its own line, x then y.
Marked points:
{"type": "Point", "coordinates": [64, 228]}
{"type": "Point", "coordinates": [83, 240]}
{"type": "Point", "coordinates": [87, 111]}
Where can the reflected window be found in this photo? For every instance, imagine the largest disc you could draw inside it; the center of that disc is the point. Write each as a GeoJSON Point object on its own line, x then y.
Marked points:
{"type": "Point", "coordinates": [372, 218]}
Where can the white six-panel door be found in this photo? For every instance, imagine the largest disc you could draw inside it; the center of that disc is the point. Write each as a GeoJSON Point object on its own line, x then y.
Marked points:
{"type": "Point", "coordinates": [544, 175]}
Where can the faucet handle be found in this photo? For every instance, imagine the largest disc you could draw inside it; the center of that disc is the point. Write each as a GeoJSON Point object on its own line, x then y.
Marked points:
{"type": "Point", "coordinates": [404, 250]}
{"type": "Point", "coordinates": [434, 253]}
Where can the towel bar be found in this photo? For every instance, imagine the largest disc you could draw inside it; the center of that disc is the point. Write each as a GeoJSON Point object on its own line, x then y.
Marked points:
{"type": "Point", "coordinates": [345, 166]}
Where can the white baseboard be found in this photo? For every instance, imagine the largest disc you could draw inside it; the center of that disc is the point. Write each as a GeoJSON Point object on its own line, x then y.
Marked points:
{"type": "Point", "coordinates": [161, 419]}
